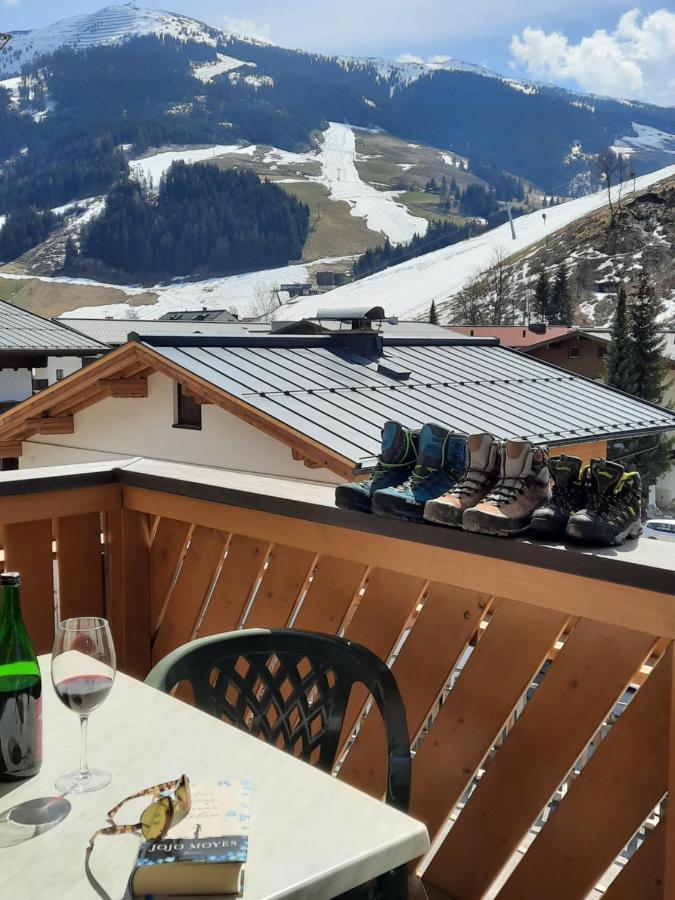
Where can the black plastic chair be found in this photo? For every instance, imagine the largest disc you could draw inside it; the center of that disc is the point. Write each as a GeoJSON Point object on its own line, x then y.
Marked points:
{"type": "Point", "coordinates": [291, 688]}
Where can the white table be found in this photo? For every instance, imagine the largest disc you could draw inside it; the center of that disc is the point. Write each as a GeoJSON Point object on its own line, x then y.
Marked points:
{"type": "Point", "coordinates": [311, 837]}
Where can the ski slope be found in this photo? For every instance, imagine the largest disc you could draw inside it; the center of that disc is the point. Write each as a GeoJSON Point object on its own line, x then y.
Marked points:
{"type": "Point", "coordinates": [380, 209]}
{"type": "Point", "coordinates": [406, 290]}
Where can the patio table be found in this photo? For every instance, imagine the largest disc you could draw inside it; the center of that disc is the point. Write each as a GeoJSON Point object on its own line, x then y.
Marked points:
{"type": "Point", "coordinates": [311, 835]}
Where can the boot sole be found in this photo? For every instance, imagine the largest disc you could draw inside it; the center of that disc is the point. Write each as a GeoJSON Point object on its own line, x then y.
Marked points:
{"type": "Point", "coordinates": [436, 518]}
{"type": "Point", "coordinates": [633, 532]}
{"type": "Point", "coordinates": [357, 506]}
{"type": "Point", "coordinates": [547, 531]}
{"type": "Point", "coordinates": [492, 528]}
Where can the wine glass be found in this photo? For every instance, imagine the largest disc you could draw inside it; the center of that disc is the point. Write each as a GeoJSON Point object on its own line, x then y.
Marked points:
{"type": "Point", "coordinates": [83, 671]}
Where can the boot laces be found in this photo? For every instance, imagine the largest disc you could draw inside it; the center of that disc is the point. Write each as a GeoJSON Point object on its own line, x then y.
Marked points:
{"type": "Point", "coordinates": [472, 480]}
{"type": "Point", "coordinates": [507, 490]}
{"type": "Point", "coordinates": [565, 498]}
{"type": "Point", "coordinates": [419, 474]}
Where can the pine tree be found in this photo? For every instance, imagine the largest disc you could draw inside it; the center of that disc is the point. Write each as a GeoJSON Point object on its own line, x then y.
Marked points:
{"type": "Point", "coordinates": [646, 342]}
{"type": "Point", "coordinates": [560, 312]}
{"type": "Point", "coordinates": [542, 296]}
{"type": "Point", "coordinates": [650, 455]}
{"type": "Point", "coordinates": [433, 315]}
{"type": "Point", "coordinates": [619, 361]}
{"type": "Point", "coordinates": [70, 257]}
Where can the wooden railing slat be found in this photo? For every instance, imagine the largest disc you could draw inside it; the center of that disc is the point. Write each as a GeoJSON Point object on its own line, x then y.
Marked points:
{"type": "Point", "coordinates": [385, 608]}
{"type": "Point", "coordinates": [642, 876]}
{"type": "Point", "coordinates": [79, 557]}
{"type": "Point", "coordinates": [189, 594]}
{"type": "Point", "coordinates": [619, 786]}
{"type": "Point", "coordinates": [448, 619]}
{"type": "Point", "coordinates": [334, 586]}
{"type": "Point", "coordinates": [579, 689]}
{"type": "Point", "coordinates": [28, 550]}
{"type": "Point", "coordinates": [127, 539]}
{"type": "Point", "coordinates": [166, 553]}
{"type": "Point", "coordinates": [242, 567]}
{"type": "Point", "coordinates": [283, 581]}
{"type": "Point", "coordinates": [506, 659]}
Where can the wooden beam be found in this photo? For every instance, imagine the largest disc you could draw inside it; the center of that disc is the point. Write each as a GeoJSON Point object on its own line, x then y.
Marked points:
{"type": "Point", "coordinates": [50, 425]}
{"type": "Point", "coordinates": [617, 604]}
{"type": "Point", "coordinates": [127, 388]}
{"type": "Point", "coordinates": [10, 449]}
{"type": "Point", "coordinates": [53, 504]}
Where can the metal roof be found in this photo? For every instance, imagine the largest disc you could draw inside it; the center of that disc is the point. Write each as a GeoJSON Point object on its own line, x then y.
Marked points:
{"type": "Point", "coordinates": [116, 331]}
{"type": "Point", "coordinates": [340, 399]}
{"type": "Point", "coordinates": [199, 315]}
{"type": "Point", "coordinates": [25, 332]}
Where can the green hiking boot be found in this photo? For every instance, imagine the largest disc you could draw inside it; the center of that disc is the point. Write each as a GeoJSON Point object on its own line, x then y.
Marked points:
{"type": "Point", "coordinates": [395, 463]}
{"type": "Point", "coordinates": [613, 510]}
{"type": "Point", "coordinates": [569, 496]}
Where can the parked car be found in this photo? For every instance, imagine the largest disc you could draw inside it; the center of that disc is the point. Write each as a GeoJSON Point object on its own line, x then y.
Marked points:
{"type": "Point", "coordinates": [660, 529]}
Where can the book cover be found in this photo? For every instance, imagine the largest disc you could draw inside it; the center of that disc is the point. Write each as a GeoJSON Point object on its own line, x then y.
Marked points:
{"type": "Point", "coordinates": [205, 852]}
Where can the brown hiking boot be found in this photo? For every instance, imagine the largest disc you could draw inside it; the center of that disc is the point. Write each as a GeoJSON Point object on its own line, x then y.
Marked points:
{"type": "Point", "coordinates": [477, 481]}
{"type": "Point", "coordinates": [524, 485]}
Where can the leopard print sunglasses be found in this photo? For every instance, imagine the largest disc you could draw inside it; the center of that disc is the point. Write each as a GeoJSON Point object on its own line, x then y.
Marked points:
{"type": "Point", "coordinates": [171, 804]}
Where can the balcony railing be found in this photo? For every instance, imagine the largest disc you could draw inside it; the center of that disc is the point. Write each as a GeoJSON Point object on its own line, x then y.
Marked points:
{"type": "Point", "coordinates": [538, 681]}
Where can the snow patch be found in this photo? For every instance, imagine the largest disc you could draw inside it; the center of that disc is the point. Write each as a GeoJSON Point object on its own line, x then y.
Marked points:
{"type": "Point", "coordinates": [208, 71]}
{"type": "Point", "coordinates": [369, 102]}
{"type": "Point", "coordinates": [649, 138]}
{"type": "Point", "coordinates": [151, 168]}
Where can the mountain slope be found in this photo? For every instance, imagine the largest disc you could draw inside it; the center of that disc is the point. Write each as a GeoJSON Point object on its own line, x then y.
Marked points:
{"type": "Point", "coordinates": [407, 290]}
{"type": "Point", "coordinates": [167, 78]}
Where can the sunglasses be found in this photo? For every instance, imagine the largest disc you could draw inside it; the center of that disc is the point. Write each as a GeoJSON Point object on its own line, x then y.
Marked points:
{"type": "Point", "coordinates": [172, 803]}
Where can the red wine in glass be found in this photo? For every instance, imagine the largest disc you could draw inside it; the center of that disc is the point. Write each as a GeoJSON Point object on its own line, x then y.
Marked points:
{"type": "Point", "coordinates": [84, 693]}
{"type": "Point", "coordinates": [83, 671]}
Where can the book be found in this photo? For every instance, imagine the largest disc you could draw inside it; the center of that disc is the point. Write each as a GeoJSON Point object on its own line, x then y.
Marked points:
{"type": "Point", "coordinates": [204, 853]}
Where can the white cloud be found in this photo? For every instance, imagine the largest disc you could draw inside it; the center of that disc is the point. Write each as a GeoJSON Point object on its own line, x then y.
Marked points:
{"type": "Point", "coordinates": [246, 28]}
{"type": "Point", "coordinates": [11, 2]}
{"type": "Point", "coordinates": [409, 58]}
{"type": "Point", "coordinates": [636, 60]}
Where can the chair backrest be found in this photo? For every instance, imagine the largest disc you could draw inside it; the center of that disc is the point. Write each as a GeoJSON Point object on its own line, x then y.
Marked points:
{"type": "Point", "coordinates": [292, 689]}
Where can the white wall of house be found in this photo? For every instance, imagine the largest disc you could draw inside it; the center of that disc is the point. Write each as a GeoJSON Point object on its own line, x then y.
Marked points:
{"type": "Point", "coordinates": [15, 384]}
{"type": "Point", "coordinates": [59, 364]}
{"type": "Point", "coordinates": [116, 428]}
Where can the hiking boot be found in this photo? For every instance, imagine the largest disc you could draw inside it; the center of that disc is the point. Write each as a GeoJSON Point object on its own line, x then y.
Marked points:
{"type": "Point", "coordinates": [569, 496]}
{"type": "Point", "coordinates": [523, 486]}
{"type": "Point", "coordinates": [477, 481]}
{"type": "Point", "coordinates": [440, 462]}
{"type": "Point", "coordinates": [394, 465]}
{"type": "Point", "coordinates": [613, 509]}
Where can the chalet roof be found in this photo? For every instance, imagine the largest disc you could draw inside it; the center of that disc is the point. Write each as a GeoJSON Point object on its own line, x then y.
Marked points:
{"type": "Point", "coordinates": [25, 332]}
{"type": "Point", "coordinates": [116, 331]}
{"type": "Point", "coordinates": [341, 398]}
{"type": "Point", "coordinates": [328, 395]}
{"type": "Point", "coordinates": [199, 315]}
{"type": "Point", "coordinates": [605, 334]}
{"type": "Point", "coordinates": [517, 336]}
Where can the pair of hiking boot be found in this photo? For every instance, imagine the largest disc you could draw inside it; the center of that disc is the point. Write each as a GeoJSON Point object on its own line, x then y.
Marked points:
{"type": "Point", "coordinates": [598, 504]}
{"type": "Point", "coordinates": [502, 486]}
{"type": "Point", "coordinates": [413, 467]}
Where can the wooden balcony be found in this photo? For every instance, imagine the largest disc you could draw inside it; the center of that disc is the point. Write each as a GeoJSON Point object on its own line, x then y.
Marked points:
{"type": "Point", "coordinates": [538, 681]}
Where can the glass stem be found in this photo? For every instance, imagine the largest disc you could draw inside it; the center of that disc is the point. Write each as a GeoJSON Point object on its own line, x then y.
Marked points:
{"type": "Point", "coordinates": [84, 768]}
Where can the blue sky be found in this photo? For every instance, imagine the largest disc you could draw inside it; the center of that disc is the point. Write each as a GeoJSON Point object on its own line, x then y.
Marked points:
{"type": "Point", "coordinates": [606, 46]}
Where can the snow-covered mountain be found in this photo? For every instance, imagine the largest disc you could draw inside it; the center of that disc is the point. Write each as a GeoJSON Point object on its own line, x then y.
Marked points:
{"type": "Point", "coordinates": [407, 290]}
{"type": "Point", "coordinates": [110, 25]}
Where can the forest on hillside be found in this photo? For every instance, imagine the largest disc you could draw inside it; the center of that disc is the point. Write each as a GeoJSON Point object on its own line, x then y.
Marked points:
{"type": "Point", "coordinates": [203, 221]}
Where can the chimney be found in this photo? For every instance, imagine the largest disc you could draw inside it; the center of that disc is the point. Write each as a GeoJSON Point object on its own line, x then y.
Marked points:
{"type": "Point", "coordinates": [359, 336]}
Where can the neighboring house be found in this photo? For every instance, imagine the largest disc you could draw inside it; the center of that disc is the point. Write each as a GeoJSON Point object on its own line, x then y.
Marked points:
{"type": "Point", "coordinates": [36, 352]}
{"type": "Point", "coordinates": [115, 332]}
{"type": "Point", "coordinates": [310, 406]}
{"type": "Point", "coordinates": [199, 315]}
{"type": "Point", "coordinates": [581, 350]}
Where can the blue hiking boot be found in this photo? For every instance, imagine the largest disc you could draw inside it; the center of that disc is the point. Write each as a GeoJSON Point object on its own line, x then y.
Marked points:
{"type": "Point", "coordinates": [441, 460]}
{"type": "Point", "coordinates": [394, 465]}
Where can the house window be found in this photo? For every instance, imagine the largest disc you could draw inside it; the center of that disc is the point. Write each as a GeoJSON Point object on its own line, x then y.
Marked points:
{"type": "Point", "coordinates": [187, 412]}
{"type": "Point", "coordinates": [602, 352]}
{"type": "Point", "coordinates": [59, 374]}
{"type": "Point", "coordinates": [9, 463]}
{"type": "Point", "coordinates": [574, 352]}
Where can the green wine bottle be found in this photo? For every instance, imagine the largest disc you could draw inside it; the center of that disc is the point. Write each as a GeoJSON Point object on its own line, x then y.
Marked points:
{"type": "Point", "coordinates": [20, 689]}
